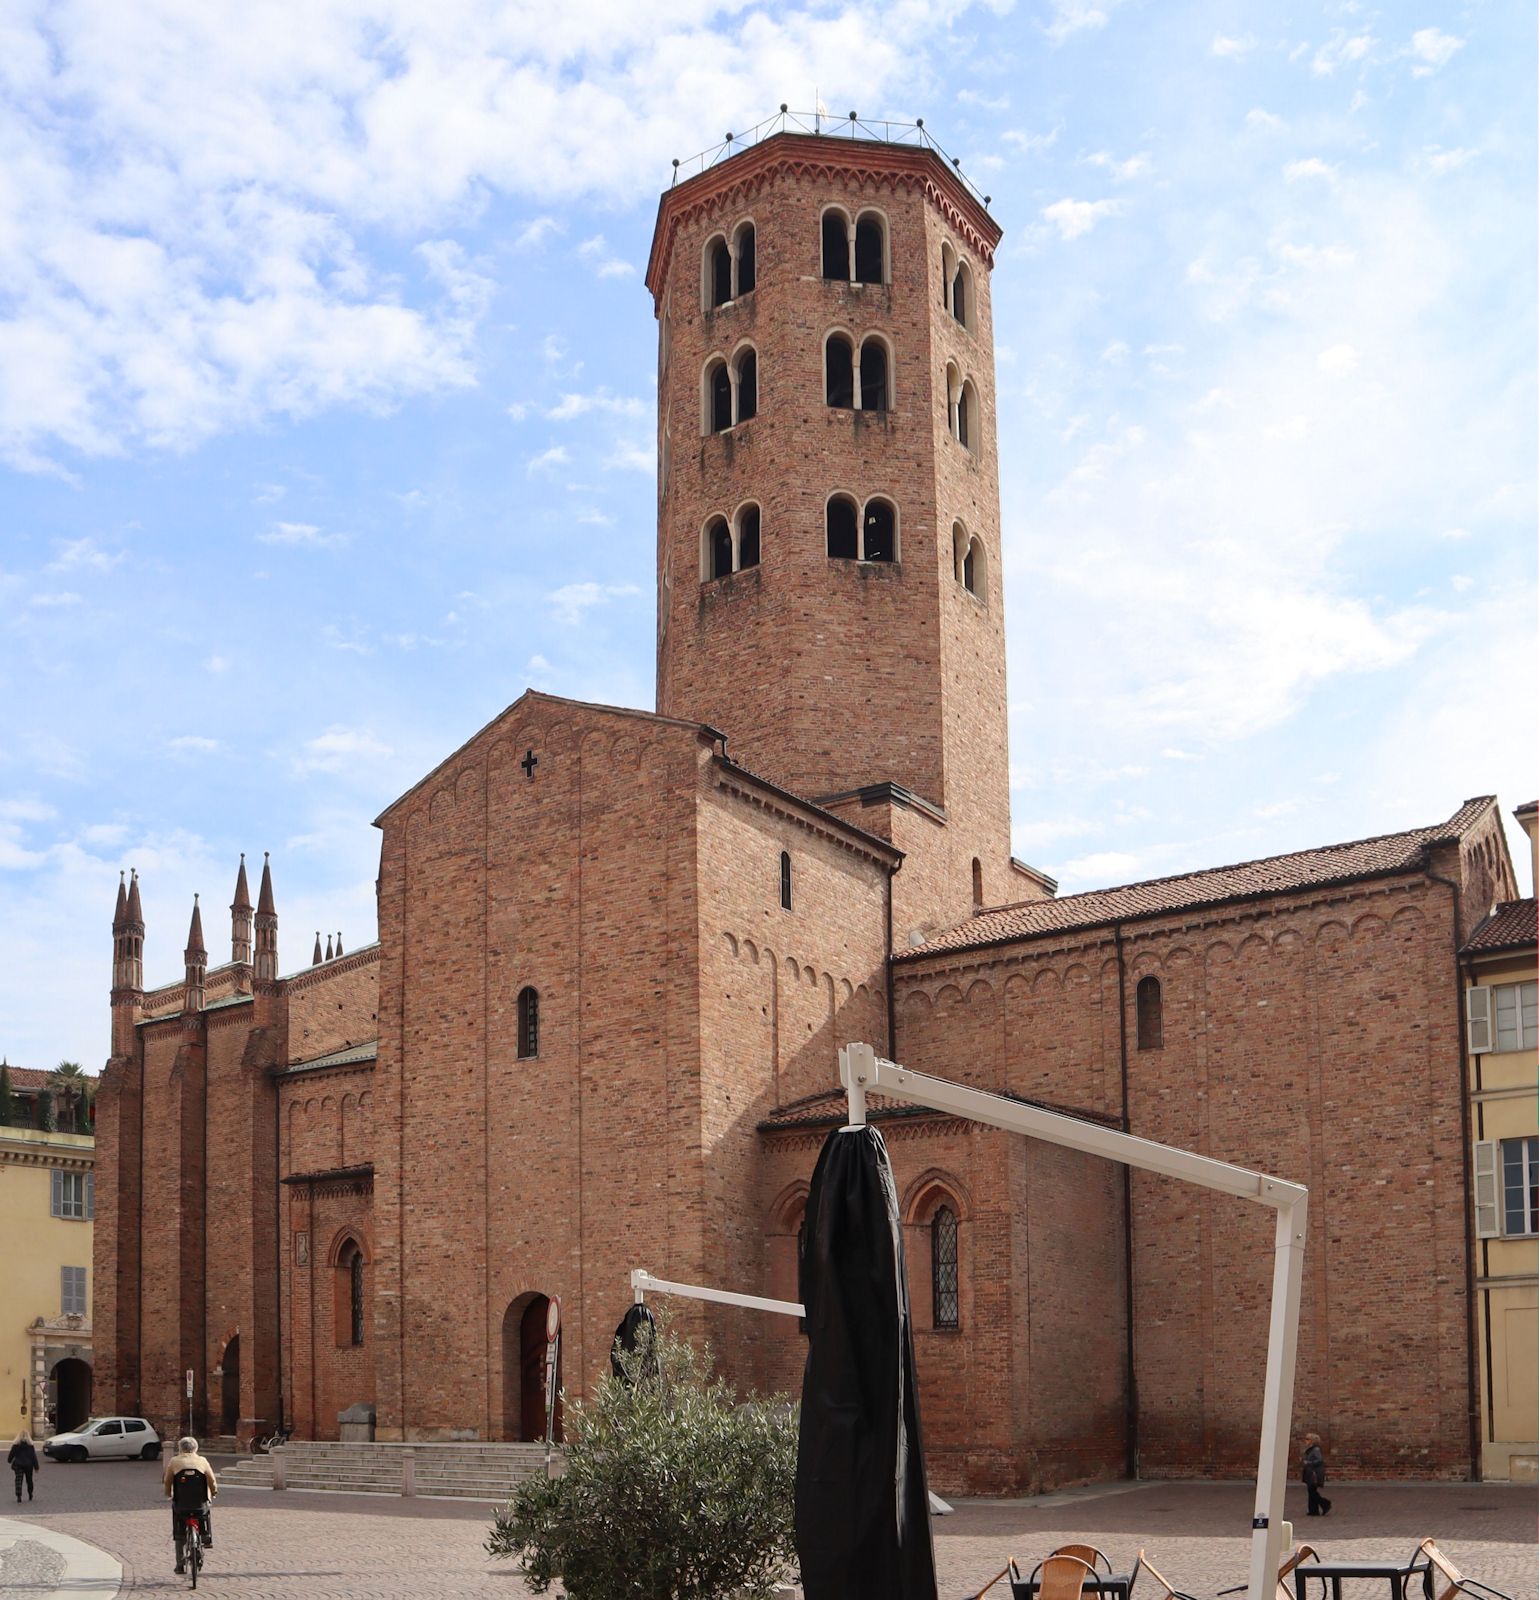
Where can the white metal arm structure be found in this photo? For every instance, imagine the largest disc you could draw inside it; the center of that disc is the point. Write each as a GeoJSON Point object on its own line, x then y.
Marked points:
{"type": "Point", "coordinates": [862, 1071]}
{"type": "Point", "coordinates": [643, 1284]}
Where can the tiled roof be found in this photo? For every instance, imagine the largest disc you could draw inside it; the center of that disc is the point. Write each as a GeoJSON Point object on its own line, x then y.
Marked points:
{"type": "Point", "coordinates": [32, 1078]}
{"type": "Point", "coordinates": [1302, 869]}
{"type": "Point", "coordinates": [348, 1056]}
{"type": "Point", "coordinates": [1509, 927]}
{"type": "Point", "coordinates": [830, 1107]}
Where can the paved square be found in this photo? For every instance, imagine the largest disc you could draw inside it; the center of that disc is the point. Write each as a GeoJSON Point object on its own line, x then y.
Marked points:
{"type": "Point", "coordinates": [346, 1547]}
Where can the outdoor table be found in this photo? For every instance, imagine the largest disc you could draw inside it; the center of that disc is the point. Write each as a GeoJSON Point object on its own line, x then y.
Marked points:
{"type": "Point", "coordinates": [1116, 1584]}
{"type": "Point", "coordinates": [1393, 1572]}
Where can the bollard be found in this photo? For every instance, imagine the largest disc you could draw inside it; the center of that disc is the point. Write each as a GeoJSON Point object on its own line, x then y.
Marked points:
{"type": "Point", "coordinates": [276, 1457]}
{"type": "Point", "coordinates": [408, 1473]}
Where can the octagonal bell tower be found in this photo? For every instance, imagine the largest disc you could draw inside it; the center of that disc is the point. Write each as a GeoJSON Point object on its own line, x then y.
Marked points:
{"type": "Point", "coordinates": [828, 522]}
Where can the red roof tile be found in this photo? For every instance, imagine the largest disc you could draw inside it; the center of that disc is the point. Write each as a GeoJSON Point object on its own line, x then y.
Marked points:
{"type": "Point", "coordinates": [1509, 927]}
{"type": "Point", "coordinates": [1302, 869]}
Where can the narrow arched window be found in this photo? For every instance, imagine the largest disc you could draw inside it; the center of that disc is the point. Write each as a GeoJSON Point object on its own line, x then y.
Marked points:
{"type": "Point", "coordinates": [873, 376]}
{"type": "Point", "coordinates": [965, 416]}
{"type": "Point", "coordinates": [944, 1275]}
{"type": "Point", "coordinates": [718, 273]}
{"type": "Point", "coordinates": [977, 884]}
{"type": "Point", "coordinates": [355, 1294]}
{"type": "Point", "coordinates": [959, 296]}
{"type": "Point", "coordinates": [870, 249]}
{"type": "Point", "coordinates": [948, 274]}
{"type": "Point", "coordinates": [879, 532]}
{"type": "Point", "coordinates": [1151, 1022]}
{"type": "Point", "coordinates": [528, 1023]}
{"type": "Point", "coordinates": [785, 881]}
{"type": "Point", "coordinates": [747, 386]}
{"type": "Point", "coordinates": [718, 548]}
{"type": "Point", "coordinates": [748, 537]}
{"type": "Point", "coordinates": [839, 371]}
{"type": "Point", "coordinates": [718, 397]}
{"type": "Point", "coordinates": [745, 264]}
{"type": "Point", "coordinates": [836, 246]}
{"type": "Point", "coordinates": [843, 529]}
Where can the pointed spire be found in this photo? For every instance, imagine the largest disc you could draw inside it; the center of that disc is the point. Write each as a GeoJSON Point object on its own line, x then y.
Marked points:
{"type": "Point", "coordinates": [339, 944]}
{"type": "Point", "coordinates": [266, 968]}
{"type": "Point", "coordinates": [328, 947]}
{"type": "Point", "coordinates": [195, 944]}
{"type": "Point", "coordinates": [197, 963]}
{"type": "Point", "coordinates": [315, 960]}
{"type": "Point", "coordinates": [265, 904]}
{"type": "Point", "coordinates": [135, 910]}
{"type": "Point", "coordinates": [120, 915]}
{"type": "Point", "coordinates": [242, 900]}
{"type": "Point", "coordinates": [240, 919]}
{"type": "Point", "coordinates": [127, 942]}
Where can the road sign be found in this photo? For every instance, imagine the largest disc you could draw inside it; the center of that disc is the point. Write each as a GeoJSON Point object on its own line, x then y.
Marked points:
{"type": "Point", "coordinates": [189, 1383]}
{"type": "Point", "coordinates": [552, 1319]}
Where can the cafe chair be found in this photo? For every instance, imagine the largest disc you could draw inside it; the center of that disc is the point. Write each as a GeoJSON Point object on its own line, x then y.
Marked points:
{"type": "Point", "coordinates": [1168, 1591]}
{"type": "Point", "coordinates": [1453, 1582]}
{"type": "Point", "coordinates": [1305, 1552]}
{"type": "Point", "coordinates": [1087, 1553]}
{"type": "Point", "coordinates": [1059, 1578]}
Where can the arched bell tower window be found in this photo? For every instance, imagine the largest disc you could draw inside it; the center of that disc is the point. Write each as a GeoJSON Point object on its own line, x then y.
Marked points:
{"type": "Point", "coordinates": [718, 273]}
{"type": "Point", "coordinates": [879, 531]}
{"type": "Point", "coordinates": [785, 881]}
{"type": "Point", "coordinates": [971, 561]}
{"type": "Point", "coordinates": [836, 246]}
{"type": "Point", "coordinates": [730, 547]}
{"type": "Point", "coordinates": [528, 1023]}
{"type": "Point", "coordinates": [729, 390]}
{"type": "Point", "coordinates": [717, 397]}
{"type": "Point", "coordinates": [843, 521]}
{"type": "Point", "coordinates": [745, 265]}
{"type": "Point", "coordinates": [945, 1276]}
{"type": "Point", "coordinates": [839, 371]}
{"type": "Point", "coordinates": [1151, 1021]}
{"type": "Point", "coordinates": [871, 248]}
{"type": "Point", "coordinates": [745, 372]}
{"type": "Point", "coordinates": [748, 536]}
{"type": "Point", "coordinates": [874, 389]}
{"type": "Point", "coordinates": [716, 549]}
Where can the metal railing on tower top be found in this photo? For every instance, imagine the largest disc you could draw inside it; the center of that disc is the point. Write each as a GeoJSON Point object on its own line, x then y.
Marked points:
{"type": "Point", "coordinates": [823, 125]}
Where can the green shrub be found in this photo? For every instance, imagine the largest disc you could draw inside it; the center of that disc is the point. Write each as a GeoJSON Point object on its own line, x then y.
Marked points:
{"type": "Point", "coordinates": [672, 1491]}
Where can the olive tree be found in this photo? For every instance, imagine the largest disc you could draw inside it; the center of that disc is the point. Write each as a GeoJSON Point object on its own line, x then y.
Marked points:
{"type": "Point", "coordinates": [672, 1490]}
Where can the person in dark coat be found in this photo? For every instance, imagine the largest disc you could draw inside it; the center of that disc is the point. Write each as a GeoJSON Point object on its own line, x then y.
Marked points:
{"type": "Point", "coordinates": [1314, 1476]}
{"type": "Point", "coordinates": [22, 1460]}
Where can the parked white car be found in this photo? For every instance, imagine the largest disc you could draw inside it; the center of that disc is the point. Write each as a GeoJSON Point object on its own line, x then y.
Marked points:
{"type": "Point", "coordinates": [121, 1438]}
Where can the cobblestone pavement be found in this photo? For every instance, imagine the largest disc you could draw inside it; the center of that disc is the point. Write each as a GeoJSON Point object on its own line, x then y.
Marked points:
{"type": "Point", "coordinates": [346, 1547]}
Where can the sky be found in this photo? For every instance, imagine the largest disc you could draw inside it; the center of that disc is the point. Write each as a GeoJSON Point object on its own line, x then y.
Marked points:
{"type": "Point", "coordinates": [327, 393]}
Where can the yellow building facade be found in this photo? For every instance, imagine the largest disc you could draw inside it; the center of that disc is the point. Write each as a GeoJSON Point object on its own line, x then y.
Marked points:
{"type": "Point", "coordinates": [47, 1207]}
{"type": "Point", "coordinates": [1502, 1037]}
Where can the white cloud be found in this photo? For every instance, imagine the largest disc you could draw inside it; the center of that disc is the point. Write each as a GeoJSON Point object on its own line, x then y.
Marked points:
{"type": "Point", "coordinates": [192, 744]}
{"type": "Point", "coordinates": [602, 259]}
{"type": "Point", "coordinates": [1073, 218]}
{"type": "Point", "coordinates": [1136, 166]}
{"type": "Point", "coordinates": [1440, 160]}
{"type": "Point", "coordinates": [304, 535]}
{"type": "Point", "coordinates": [577, 405]}
{"type": "Point", "coordinates": [76, 554]}
{"type": "Point", "coordinates": [1310, 168]}
{"type": "Point", "coordinates": [1458, 534]}
{"type": "Point", "coordinates": [56, 600]}
{"type": "Point", "coordinates": [339, 748]}
{"type": "Point", "coordinates": [1102, 868]}
{"type": "Point", "coordinates": [536, 232]}
{"type": "Point", "coordinates": [1031, 143]}
{"type": "Point", "coordinates": [1460, 582]}
{"type": "Point", "coordinates": [994, 103]}
{"type": "Point", "coordinates": [1339, 361]}
{"type": "Point", "coordinates": [1232, 49]}
{"type": "Point", "coordinates": [628, 456]}
{"type": "Point", "coordinates": [1431, 48]}
{"type": "Point", "coordinates": [1257, 118]}
{"type": "Point", "coordinates": [1077, 16]}
{"type": "Point", "coordinates": [1340, 50]}
{"type": "Point", "coordinates": [217, 664]}
{"type": "Point", "coordinates": [571, 603]}
{"type": "Point", "coordinates": [556, 456]}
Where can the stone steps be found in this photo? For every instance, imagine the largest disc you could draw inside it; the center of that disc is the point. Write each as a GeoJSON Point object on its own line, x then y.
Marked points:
{"type": "Point", "coordinates": [469, 1471]}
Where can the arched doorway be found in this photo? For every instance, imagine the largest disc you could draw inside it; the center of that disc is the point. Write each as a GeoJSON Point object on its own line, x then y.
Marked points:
{"type": "Point", "coordinates": [229, 1389]}
{"type": "Point", "coordinates": [72, 1394]}
{"type": "Point", "coordinates": [523, 1369]}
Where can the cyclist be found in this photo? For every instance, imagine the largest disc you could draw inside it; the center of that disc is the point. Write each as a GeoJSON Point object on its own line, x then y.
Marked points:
{"type": "Point", "coordinates": [190, 1484]}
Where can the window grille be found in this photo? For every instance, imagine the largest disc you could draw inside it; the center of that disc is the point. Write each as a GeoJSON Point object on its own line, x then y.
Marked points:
{"type": "Point", "coordinates": [355, 1294]}
{"type": "Point", "coordinates": [528, 1023]}
{"type": "Point", "coordinates": [785, 881]}
{"type": "Point", "coordinates": [943, 1269]}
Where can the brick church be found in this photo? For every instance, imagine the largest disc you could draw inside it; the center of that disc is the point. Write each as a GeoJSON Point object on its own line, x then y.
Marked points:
{"type": "Point", "coordinates": [618, 950]}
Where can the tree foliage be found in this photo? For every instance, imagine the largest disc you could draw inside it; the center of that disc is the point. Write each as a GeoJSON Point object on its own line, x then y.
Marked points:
{"type": "Point", "coordinates": [672, 1490]}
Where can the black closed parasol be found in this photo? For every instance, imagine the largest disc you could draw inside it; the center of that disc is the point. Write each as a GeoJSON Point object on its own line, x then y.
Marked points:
{"type": "Point", "coordinates": [862, 1508]}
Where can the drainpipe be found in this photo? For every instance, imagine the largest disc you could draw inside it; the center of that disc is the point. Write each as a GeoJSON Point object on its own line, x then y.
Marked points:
{"type": "Point", "coordinates": [1472, 1361]}
{"type": "Point", "coordinates": [1127, 1208]}
{"type": "Point", "coordinates": [892, 999]}
{"type": "Point", "coordinates": [277, 1189]}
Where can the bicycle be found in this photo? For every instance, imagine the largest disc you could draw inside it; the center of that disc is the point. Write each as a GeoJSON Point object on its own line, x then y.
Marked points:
{"type": "Point", "coordinates": [192, 1544]}
{"type": "Point", "coordinates": [260, 1445]}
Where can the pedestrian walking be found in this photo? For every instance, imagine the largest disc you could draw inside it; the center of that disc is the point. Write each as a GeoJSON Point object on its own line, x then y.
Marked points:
{"type": "Point", "coordinates": [22, 1460]}
{"type": "Point", "coordinates": [1314, 1476]}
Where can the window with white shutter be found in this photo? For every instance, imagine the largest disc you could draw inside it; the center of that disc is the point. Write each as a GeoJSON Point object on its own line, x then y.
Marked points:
{"type": "Point", "coordinates": [71, 1195]}
{"type": "Point", "coordinates": [1477, 1015]}
{"type": "Point", "coordinates": [1515, 1009]}
{"type": "Point", "coordinates": [1520, 1187]}
{"type": "Point", "coordinates": [90, 1197]}
{"type": "Point", "coordinates": [1487, 1225]}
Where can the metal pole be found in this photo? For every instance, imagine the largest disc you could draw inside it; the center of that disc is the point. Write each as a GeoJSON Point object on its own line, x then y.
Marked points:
{"type": "Point", "coordinates": [642, 1282]}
